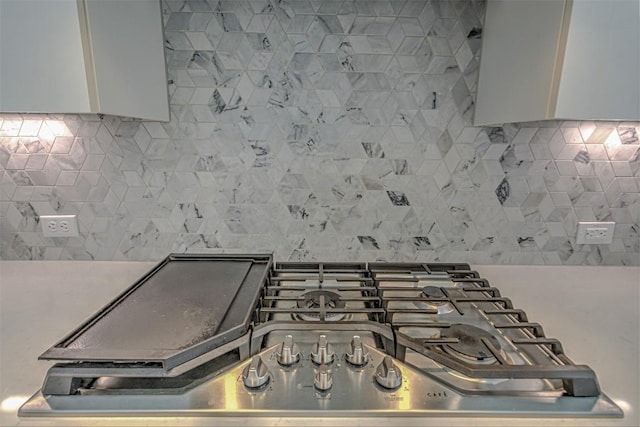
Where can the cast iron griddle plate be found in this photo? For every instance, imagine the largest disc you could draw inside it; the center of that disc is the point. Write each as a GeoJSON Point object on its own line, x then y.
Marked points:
{"type": "Point", "coordinates": [184, 302]}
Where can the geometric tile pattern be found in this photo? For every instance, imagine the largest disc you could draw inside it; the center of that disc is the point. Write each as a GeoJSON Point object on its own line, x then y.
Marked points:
{"type": "Point", "coordinates": [332, 130]}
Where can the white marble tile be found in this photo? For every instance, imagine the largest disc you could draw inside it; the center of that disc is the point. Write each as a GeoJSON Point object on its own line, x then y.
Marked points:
{"type": "Point", "coordinates": [319, 129]}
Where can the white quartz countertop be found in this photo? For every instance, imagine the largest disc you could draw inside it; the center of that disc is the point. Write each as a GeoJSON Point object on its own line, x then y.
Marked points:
{"type": "Point", "coordinates": [593, 311]}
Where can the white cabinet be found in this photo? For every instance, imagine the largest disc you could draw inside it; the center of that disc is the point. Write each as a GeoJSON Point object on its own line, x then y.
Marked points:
{"type": "Point", "coordinates": [555, 59]}
{"type": "Point", "coordinates": [83, 56]}
{"type": "Point", "coordinates": [42, 66]}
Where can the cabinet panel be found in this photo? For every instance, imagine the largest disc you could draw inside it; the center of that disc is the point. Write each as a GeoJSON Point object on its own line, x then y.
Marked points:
{"type": "Point", "coordinates": [128, 56]}
{"type": "Point", "coordinates": [83, 56]}
{"type": "Point", "coordinates": [41, 57]}
{"type": "Point", "coordinates": [553, 59]}
{"type": "Point", "coordinates": [520, 39]}
{"type": "Point", "coordinates": [600, 76]}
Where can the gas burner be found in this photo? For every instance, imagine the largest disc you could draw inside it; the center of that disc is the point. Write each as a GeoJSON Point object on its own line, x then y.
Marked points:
{"type": "Point", "coordinates": [312, 301]}
{"type": "Point", "coordinates": [470, 347]}
{"type": "Point", "coordinates": [443, 306]}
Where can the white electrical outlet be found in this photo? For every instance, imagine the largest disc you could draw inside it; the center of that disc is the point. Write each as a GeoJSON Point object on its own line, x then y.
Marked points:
{"type": "Point", "coordinates": [595, 233]}
{"type": "Point", "coordinates": [59, 225]}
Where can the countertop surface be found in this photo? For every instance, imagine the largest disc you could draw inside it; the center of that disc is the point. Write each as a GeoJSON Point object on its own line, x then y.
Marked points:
{"type": "Point", "coordinates": [593, 311]}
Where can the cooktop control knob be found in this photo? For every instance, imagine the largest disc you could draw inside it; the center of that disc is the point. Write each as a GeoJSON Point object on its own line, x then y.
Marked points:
{"type": "Point", "coordinates": [357, 355]}
{"type": "Point", "coordinates": [255, 374]}
{"type": "Point", "coordinates": [323, 379]}
{"type": "Point", "coordinates": [388, 375]}
{"type": "Point", "coordinates": [288, 354]}
{"type": "Point", "coordinates": [322, 352]}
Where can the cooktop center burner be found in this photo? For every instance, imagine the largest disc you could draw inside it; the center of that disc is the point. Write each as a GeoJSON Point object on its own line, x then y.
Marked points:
{"type": "Point", "coordinates": [470, 343]}
{"type": "Point", "coordinates": [314, 300]}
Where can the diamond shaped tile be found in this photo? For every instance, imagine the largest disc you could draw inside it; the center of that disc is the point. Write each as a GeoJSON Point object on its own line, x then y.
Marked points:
{"type": "Point", "coordinates": [322, 128]}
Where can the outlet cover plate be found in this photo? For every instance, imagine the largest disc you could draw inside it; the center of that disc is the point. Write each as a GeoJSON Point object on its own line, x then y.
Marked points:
{"type": "Point", "coordinates": [595, 233]}
{"type": "Point", "coordinates": [59, 225]}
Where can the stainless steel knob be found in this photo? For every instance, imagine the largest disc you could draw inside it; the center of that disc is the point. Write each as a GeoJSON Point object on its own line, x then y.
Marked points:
{"type": "Point", "coordinates": [357, 355]}
{"type": "Point", "coordinates": [323, 379]}
{"type": "Point", "coordinates": [388, 375]}
{"type": "Point", "coordinates": [255, 374]}
{"type": "Point", "coordinates": [288, 354]}
{"type": "Point", "coordinates": [322, 351]}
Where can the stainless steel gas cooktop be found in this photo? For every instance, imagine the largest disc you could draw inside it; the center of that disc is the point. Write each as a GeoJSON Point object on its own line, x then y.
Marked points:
{"type": "Point", "coordinates": [226, 335]}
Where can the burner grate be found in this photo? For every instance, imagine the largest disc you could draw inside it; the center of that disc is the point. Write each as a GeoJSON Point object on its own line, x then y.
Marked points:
{"type": "Point", "coordinates": [326, 292]}
{"type": "Point", "coordinates": [408, 298]}
{"type": "Point", "coordinates": [475, 302]}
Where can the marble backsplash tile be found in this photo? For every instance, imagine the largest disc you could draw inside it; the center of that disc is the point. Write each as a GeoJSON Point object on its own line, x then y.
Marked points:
{"type": "Point", "coordinates": [333, 130]}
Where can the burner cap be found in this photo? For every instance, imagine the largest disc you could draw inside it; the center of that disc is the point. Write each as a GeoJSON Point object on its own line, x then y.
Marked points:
{"type": "Point", "coordinates": [433, 292]}
{"type": "Point", "coordinates": [312, 301]}
{"type": "Point", "coordinates": [470, 344]}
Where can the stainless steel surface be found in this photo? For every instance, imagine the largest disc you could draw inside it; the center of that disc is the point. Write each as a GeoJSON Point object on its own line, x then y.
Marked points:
{"type": "Point", "coordinates": [322, 351]}
{"type": "Point", "coordinates": [46, 312]}
{"type": "Point", "coordinates": [289, 353]}
{"type": "Point", "coordinates": [393, 339]}
{"type": "Point", "coordinates": [323, 379]}
{"type": "Point", "coordinates": [388, 375]}
{"type": "Point", "coordinates": [291, 392]}
{"type": "Point", "coordinates": [255, 375]}
{"type": "Point", "coordinates": [357, 355]}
